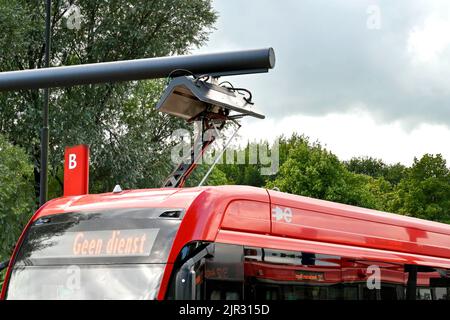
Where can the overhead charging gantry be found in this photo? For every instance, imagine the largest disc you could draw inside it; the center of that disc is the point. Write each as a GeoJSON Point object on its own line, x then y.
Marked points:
{"type": "Point", "coordinates": [213, 105]}
{"type": "Point", "coordinates": [194, 92]}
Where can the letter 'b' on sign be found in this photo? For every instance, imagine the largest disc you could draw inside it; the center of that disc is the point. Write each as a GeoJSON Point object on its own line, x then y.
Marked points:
{"type": "Point", "coordinates": [76, 170]}
{"type": "Point", "coordinates": [72, 161]}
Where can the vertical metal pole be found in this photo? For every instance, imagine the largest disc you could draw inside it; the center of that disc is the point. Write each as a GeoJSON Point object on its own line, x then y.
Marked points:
{"type": "Point", "coordinates": [411, 286]}
{"type": "Point", "coordinates": [43, 187]}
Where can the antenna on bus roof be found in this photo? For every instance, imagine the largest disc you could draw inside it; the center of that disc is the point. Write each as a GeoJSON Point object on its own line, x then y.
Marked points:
{"type": "Point", "coordinates": [117, 189]}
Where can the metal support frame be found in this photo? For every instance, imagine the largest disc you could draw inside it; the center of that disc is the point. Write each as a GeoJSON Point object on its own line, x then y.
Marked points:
{"type": "Point", "coordinates": [216, 160]}
{"type": "Point", "coordinates": [212, 104]}
{"type": "Point", "coordinates": [178, 177]}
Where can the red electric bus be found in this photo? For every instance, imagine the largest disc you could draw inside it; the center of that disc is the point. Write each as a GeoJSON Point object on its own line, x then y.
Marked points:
{"type": "Point", "coordinates": [229, 243]}
{"type": "Point", "coordinates": [211, 243]}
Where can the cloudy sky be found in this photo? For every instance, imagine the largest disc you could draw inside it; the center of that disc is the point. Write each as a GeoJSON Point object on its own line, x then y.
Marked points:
{"type": "Point", "coordinates": [364, 77]}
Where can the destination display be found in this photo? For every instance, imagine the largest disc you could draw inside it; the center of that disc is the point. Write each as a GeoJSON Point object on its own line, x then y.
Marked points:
{"type": "Point", "coordinates": [99, 243]}
{"type": "Point", "coordinates": [136, 242]}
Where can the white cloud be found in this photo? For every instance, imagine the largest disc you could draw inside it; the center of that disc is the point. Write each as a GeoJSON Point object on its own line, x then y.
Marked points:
{"type": "Point", "coordinates": [430, 41]}
{"type": "Point", "coordinates": [328, 62]}
{"type": "Point", "coordinates": [356, 134]}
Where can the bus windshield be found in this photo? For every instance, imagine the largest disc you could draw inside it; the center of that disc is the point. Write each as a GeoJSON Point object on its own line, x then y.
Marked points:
{"type": "Point", "coordinates": [114, 254]}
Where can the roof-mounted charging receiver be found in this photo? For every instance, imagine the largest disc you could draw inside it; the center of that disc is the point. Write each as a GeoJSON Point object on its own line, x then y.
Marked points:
{"type": "Point", "coordinates": [187, 98]}
{"type": "Point", "coordinates": [203, 99]}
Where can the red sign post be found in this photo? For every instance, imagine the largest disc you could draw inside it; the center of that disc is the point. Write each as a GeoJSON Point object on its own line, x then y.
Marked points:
{"type": "Point", "coordinates": [76, 170]}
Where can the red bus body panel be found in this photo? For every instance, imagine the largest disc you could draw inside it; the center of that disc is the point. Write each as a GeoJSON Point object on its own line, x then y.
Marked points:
{"type": "Point", "coordinates": [264, 218]}
{"type": "Point", "coordinates": [337, 223]}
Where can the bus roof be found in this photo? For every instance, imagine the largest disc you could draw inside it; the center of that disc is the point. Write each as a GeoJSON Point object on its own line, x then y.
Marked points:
{"type": "Point", "coordinates": [209, 217]}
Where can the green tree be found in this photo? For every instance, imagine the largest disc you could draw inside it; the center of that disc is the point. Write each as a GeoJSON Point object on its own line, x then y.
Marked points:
{"type": "Point", "coordinates": [425, 192]}
{"type": "Point", "coordinates": [16, 194]}
{"type": "Point", "coordinates": [126, 136]}
{"type": "Point", "coordinates": [376, 168]}
{"type": "Point", "coordinates": [394, 173]}
{"type": "Point", "coordinates": [312, 171]}
{"type": "Point", "coordinates": [366, 165]}
{"type": "Point", "coordinates": [217, 178]}
{"type": "Point", "coordinates": [247, 173]}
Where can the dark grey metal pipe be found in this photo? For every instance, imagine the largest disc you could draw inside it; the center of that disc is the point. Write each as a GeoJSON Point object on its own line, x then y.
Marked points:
{"type": "Point", "coordinates": [216, 64]}
{"type": "Point", "coordinates": [43, 178]}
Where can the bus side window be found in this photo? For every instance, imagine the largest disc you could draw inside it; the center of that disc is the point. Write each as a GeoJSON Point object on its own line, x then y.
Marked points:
{"type": "Point", "coordinates": [233, 272]}
{"type": "Point", "coordinates": [214, 273]}
{"type": "Point", "coordinates": [293, 275]}
{"type": "Point", "coordinates": [428, 283]}
{"type": "Point", "coordinates": [224, 273]}
{"type": "Point", "coordinates": [187, 280]}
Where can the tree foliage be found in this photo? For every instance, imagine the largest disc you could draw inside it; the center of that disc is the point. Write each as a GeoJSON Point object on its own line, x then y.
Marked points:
{"type": "Point", "coordinates": [16, 194]}
{"type": "Point", "coordinates": [308, 169]}
{"type": "Point", "coordinates": [312, 171]}
{"type": "Point", "coordinates": [126, 136]}
{"type": "Point", "coordinates": [376, 168]}
{"type": "Point", "coordinates": [425, 190]}
{"type": "Point", "coordinates": [128, 139]}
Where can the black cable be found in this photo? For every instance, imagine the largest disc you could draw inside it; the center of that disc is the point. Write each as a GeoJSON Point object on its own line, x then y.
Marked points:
{"type": "Point", "coordinates": [232, 88]}
{"type": "Point", "coordinates": [203, 78]}
{"type": "Point", "coordinates": [180, 70]}
{"type": "Point", "coordinates": [250, 96]}
{"type": "Point", "coordinates": [228, 82]}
